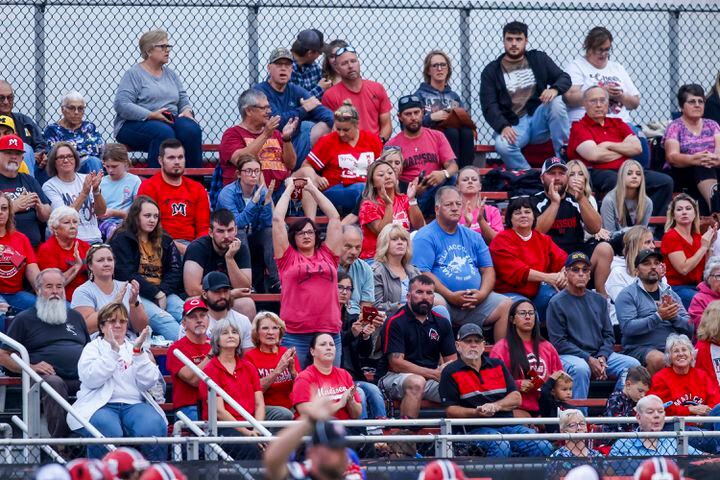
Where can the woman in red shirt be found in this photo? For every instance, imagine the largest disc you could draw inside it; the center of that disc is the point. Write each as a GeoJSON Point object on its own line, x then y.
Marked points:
{"type": "Point", "coordinates": [528, 264]}
{"type": "Point", "coordinates": [383, 204]}
{"type": "Point", "coordinates": [708, 344]}
{"type": "Point", "coordinates": [683, 246]}
{"type": "Point", "coordinates": [240, 380]}
{"type": "Point", "coordinates": [278, 366]}
{"type": "Point", "coordinates": [325, 380]}
{"type": "Point", "coordinates": [339, 161]}
{"type": "Point", "coordinates": [64, 250]}
{"type": "Point", "coordinates": [17, 261]}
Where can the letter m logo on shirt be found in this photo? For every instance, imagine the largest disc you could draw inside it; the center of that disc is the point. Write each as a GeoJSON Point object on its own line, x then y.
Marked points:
{"type": "Point", "coordinates": [178, 209]}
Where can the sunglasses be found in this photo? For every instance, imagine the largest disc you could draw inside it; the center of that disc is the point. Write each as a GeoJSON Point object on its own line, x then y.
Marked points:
{"type": "Point", "coordinates": [342, 50]}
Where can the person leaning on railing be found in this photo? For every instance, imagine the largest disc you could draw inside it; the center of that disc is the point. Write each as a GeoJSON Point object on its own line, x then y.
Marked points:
{"type": "Point", "coordinates": [116, 375]}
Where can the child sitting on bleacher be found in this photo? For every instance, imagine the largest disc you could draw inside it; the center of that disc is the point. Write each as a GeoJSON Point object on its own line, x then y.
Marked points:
{"type": "Point", "coordinates": [622, 402]}
{"type": "Point", "coordinates": [554, 395]}
{"type": "Point", "coordinates": [119, 187]}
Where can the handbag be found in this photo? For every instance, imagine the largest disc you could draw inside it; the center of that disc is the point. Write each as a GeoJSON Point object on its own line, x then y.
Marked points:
{"type": "Point", "coordinates": [459, 118]}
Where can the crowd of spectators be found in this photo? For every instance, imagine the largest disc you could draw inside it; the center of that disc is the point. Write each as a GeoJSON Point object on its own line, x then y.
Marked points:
{"type": "Point", "coordinates": [392, 296]}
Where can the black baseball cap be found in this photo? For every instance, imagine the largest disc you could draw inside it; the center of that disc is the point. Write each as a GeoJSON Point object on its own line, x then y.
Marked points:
{"type": "Point", "coordinates": [329, 434]}
{"type": "Point", "coordinates": [214, 281]}
{"type": "Point", "coordinates": [553, 162]}
{"type": "Point", "coordinates": [470, 329]}
{"type": "Point", "coordinates": [576, 257]}
{"type": "Point", "coordinates": [409, 101]}
{"type": "Point", "coordinates": [645, 254]}
{"type": "Point", "coordinates": [311, 39]}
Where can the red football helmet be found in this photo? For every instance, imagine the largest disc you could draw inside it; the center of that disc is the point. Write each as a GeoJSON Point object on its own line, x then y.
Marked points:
{"type": "Point", "coordinates": [658, 468]}
{"type": "Point", "coordinates": [88, 469]}
{"type": "Point", "coordinates": [442, 470]}
{"type": "Point", "coordinates": [162, 471]}
{"type": "Point", "coordinates": [124, 461]}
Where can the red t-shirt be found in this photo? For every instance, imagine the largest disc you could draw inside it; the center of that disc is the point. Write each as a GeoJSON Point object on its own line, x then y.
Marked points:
{"type": "Point", "coordinates": [52, 255]}
{"type": "Point", "coordinates": [673, 242]}
{"type": "Point", "coordinates": [15, 257]}
{"type": "Point", "coordinates": [184, 394]}
{"type": "Point", "coordinates": [613, 130]}
{"type": "Point", "coordinates": [240, 385]}
{"type": "Point", "coordinates": [308, 301]}
{"type": "Point", "coordinates": [340, 162]}
{"type": "Point", "coordinates": [277, 394]}
{"type": "Point", "coordinates": [371, 101]}
{"type": "Point", "coordinates": [311, 381]}
{"type": "Point", "coordinates": [695, 386]}
{"type": "Point", "coordinates": [371, 211]}
{"type": "Point", "coordinates": [427, 152]}
{"type": "Point", "coordinates": [184, 210]}
{"type": "Point", "coordinates": [270, 154]}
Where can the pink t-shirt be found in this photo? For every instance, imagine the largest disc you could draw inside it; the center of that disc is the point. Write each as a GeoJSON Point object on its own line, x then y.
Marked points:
{"type": "Point", "coordinates": [309, 301]}
{"type": "Point", "coordinates": [428, 152]}
{"type": "Point", "coordinates": [311, 382]}
{"type": "Point", "coordinates": [492, 216]}
{"type": "Point", "coordinates": [371, 211]}
{"type": "Point", "coordinates": [371, 101]}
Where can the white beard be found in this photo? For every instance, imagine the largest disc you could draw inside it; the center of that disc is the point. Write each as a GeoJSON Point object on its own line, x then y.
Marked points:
{"type": "Point", "coordinates": [52, 312]}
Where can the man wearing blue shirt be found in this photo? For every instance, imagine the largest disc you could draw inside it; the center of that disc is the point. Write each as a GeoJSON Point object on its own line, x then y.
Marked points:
{"type": "Point", "coordinates": [291, 101]}
{"type": "Point", "coordinates": [459, 262]}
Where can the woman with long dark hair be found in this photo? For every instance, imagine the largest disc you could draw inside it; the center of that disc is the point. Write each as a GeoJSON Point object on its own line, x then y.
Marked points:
{"type": "Point", "coordinates": [530, 358]}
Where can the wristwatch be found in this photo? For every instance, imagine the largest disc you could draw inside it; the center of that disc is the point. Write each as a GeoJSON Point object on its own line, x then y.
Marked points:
{"type": "Point", "coordinates": [447, 174]}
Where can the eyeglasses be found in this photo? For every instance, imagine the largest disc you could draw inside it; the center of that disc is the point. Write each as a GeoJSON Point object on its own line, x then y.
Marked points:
{"type": "Point", "coordinates": [7, 98]}
{"type": "Point", "coordinates": [602, 50]}
{"type": "Point", "coordinates": [306, 233]}
{"type": "Point", "coordinates": [117, 321]}
{"type": "Point", "coordinates": [575, 425]}
{"type": "Point", "coordinates": [525, 313]}
{"type": "Point", "coordinates": [163, 46]}
{"type": "Point", "coordinates": [262, 107]}
{"type": "Point", "coordinates": [439, 66]}
{"type": "Point", "coordinates": [696, 101]}
{"type": "Point", "coordinates": [254, 172]}
{"type": "Point", "coordinates": [65, 157]}
{"type": "Point", "coordinates": [579, 269]}
{"type": "Point", "coordinates": [715, 276]}
{"type": "Point", "coordinates": [73, 108]}
{"type": "Point", "coordinates": [342, 50]}
{"type": "Point", "coordinates": [343, 288]}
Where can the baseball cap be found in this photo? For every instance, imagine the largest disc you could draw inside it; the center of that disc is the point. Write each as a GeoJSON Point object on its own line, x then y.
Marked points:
{"type": "Point", "coordinates": [645, 254]}
{"type": "Point", "coordinates": [7, 122]}
{"type": "Point", "coordinates": [409, 101]}
{"type": "Point", "coordinates": [11, 142]}
{"type": "Point", "coordinates": [470, 329]}
{"type": "Point", "coordinates": [553, 162]}
{"type": "Point", "coordinates": [279, 54]}
{"type": "Point", "coordinates": [311, 39]}
{"type": "Point", "coordinates": [214, 281]}
{"type": "Point", "coordinates": [329, 434]}
{"type": "Point", "coordinates": [192, 304]}
{"type": "Point", "coordinates": [576, 257]}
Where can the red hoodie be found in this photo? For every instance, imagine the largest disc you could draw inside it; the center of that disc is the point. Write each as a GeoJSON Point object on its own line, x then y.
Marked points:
{"type": "Point", "coordinates": [694, 386]}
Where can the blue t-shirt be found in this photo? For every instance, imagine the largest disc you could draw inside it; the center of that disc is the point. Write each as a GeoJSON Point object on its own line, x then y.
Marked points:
{"type": "Point", "coordinates": [453, 259]}
{"type": "Point", "coordinates": [120, 194]}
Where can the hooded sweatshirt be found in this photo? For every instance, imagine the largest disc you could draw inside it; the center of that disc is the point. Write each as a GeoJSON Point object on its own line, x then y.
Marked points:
{"type": "Point", "coordinates": [700, 302]}
{"type": "Point", "coordinates": [435, 100]}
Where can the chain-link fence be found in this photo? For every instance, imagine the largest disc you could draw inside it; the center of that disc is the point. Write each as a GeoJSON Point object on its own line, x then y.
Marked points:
{"type": "Point", "coordinates": [221, 47]}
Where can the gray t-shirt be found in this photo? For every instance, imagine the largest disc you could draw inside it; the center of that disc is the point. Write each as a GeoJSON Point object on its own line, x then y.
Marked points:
{"type": "Point", "coordinates": [608, 211]}
{"type": "Point", "coordinates": [89, 295]}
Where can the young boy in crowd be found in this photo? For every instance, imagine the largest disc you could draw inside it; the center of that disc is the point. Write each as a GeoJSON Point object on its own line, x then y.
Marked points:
{"type": "Point", "coordinates": [119, 187]}
{"type": "Point", "coordinates": [622, 403]}
{"type": "Point", "coordinates": [554, 395]}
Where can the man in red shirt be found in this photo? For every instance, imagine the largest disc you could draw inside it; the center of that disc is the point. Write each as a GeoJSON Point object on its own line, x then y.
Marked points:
{"type": "Point", "coordinates": [196, 346]}
{"type": "Point", "coordinates": [603, 143]}
{"type": "Point", "coordinates": [368, 97]}
{"type": "Point", "coordinates": [184, 203]}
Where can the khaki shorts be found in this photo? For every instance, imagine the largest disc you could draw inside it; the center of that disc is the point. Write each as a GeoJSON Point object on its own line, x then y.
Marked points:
{"type": "Point", "coordinates": [392, 385]}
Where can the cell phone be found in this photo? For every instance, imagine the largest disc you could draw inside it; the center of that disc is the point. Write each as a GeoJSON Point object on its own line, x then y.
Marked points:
{"type": "Point", "coordinates": [421, 177]}
{"type": "Point", "coordinates": [168, 116]}
{"type": "Point", "coordinates": [535, 378]}
{"type": "Point", "coordinates": [667, 299]}
{"type": "Point", "coordinates": [369, 314]}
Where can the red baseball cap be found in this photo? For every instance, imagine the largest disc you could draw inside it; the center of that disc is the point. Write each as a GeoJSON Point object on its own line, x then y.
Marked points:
{"type": "Point", "coordinates": [11, 142]}
{"type": "Point", "coordinates": [192, 304]}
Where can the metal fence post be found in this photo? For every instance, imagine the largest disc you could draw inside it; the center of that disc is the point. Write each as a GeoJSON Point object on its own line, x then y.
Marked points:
{"type": "Point", "coordinates": [212, 423]}
{"type": "Point", "coordinates": [465, 59]}
{"type": "Point", "coordinates": [443, 447]}
{"type": "Point", "coordinates": [673, 57]}
{"type": "Point", "coordinates": [682, 442]}
{"type": "Point", "coordinates": [253, 46]}
{"type": "Point", "coordinates": [39, 77]}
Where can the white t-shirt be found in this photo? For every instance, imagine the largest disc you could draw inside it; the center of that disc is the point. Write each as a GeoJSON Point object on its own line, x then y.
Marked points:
{"type": "Point", "coordinates": [584, 74]}
{"type": "Point", "coordinates": [64, 193]}
{"type": "Point", "coordinates": [89, 295]}
{"type": "Point", "coordinates": [126, 390]}
{"type": "Point", "coordinates": [245, 328]}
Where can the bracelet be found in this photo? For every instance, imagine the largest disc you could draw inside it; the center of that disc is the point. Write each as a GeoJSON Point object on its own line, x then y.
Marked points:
{"type": "Point", "coordinates": [413, 202]}
{"type": "Point", "coordinates": [447, 174]}
{"type": "Point", "coordinates": [287, 140]}
{"type": "Point", "coordinates": [137, 350]}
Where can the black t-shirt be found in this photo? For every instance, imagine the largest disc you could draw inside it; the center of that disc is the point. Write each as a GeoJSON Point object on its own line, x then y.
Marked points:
{"type": "Point", "coordinates": [655, 295]}
{"type": "Point", "coordinates": [422, 343]}
{"type": "Point", "coordinates": [462, 385]}
{"type": "Point", "coordinates": [26, 222]}
{"type": "Point", "coordinates": [567, 230]}
{"type": "Point", "coordinates": [58, 345]}
{"type": "Point", "coordinates": [202, 252]}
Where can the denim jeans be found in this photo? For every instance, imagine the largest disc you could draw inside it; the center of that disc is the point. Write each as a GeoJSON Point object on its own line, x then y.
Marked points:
{"type": "Point", "coordinates": [644, 157]}
{"type": "Point", "coordinates": [89, 164]}
{"type": "Point", "coordinates": [686, 293]}
{"type": "Point", "coordinates": [707, 444]}
{"type": "Point", "coordinates": [373, 405]}
{"type": "Point", "coordinates": [19, 301]}
{"type": "Point", "coordinates": [301, 342]}
{"type": "Point", "coordinates": [191, 411]}
{"type": "Point", "coordinates": [344, 196]}
{"type": "Point", "coordinates": [547, 122]}
{"type": "Point", "coordinates": [538, 448]}
{"type": "Point", "coordinates": [578, 368]}
{"type": "Point", "coordinates": [146, 136]}
{"type": "Point", "coordinates": [164, 322]}
{"type": "Point", "coordinates": [128, 420]}
{"type": "Point", "coordinates": [301, 142]}
{"type": "Point", "coordinates": [29, 159]}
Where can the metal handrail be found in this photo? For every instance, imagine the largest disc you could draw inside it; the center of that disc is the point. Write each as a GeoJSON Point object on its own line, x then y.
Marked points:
{"type": "Point", "coordinates": [198, 431]}
{"type": "Point", "coordinates": [57, 458]}
{"type": "Point", "coordinates": [19, 347]}
{"type": "Point", "coordinates": [212, 386]}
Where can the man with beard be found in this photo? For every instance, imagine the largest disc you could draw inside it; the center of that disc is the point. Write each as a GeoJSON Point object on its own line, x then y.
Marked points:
{"type": "Point", "coordinates": [294, 104]}
{"type": "Point", "coordinates": [565, 213]}
{"type": "Point", "coordinates": [648, 312]}
{"type": "Point", "coordinates": [196, 346]}
{"type": "Point", "coordinates": [184, 204]}
{"type": "Point", "coordinates": [477, 386]}
{"type": "Point", "coordinates": [223, 252]}
{"type": "Point", "coordinates": [32, 207]}
{"type": "Point", "coordinates": [54, 337]}
{"type": "Point", "coordinates": [417, 344]}
{"type": "Point", "coordinates": [521, 98]}
{"type": "Point", "coordinates": [425, 151]}
{"type": "Point", "coordinates": [363, 292]}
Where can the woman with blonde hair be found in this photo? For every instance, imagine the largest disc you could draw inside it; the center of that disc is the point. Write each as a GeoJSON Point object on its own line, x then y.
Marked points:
{"type": "Point", "coordinates": [708, 344]}
{"type": "Point", "coordinates": [475, 213]}
{"type": "Point", "coordinates": [627, 204]}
